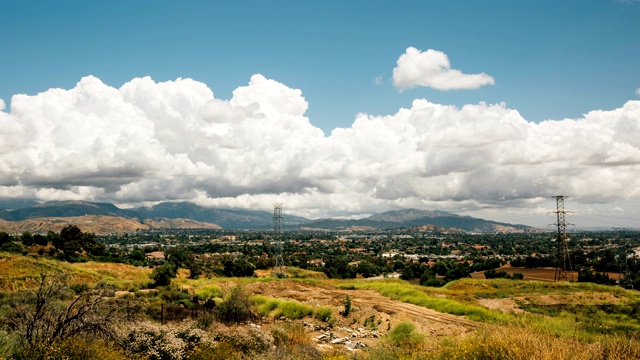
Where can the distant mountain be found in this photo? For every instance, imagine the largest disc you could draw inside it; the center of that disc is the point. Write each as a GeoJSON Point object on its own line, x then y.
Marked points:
{"type": "Point", "coordinates": [167, 215]}
{"type": "Point", "coordinates": [416, 218]}
{"type": "Point", "coordinates": [226, 218]}
{"type": "Point", "coordinates": [14, 204]}
{"type": "Point", "coordinates": [65, 209]}
{"type": "Point", "coordinates": [99, 224]}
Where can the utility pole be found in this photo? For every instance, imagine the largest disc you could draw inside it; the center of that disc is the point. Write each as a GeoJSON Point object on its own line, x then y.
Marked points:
{"type": "Point", "coordinates": [279, 270]}
{"type": "Point", "coordinates": [563, 262]}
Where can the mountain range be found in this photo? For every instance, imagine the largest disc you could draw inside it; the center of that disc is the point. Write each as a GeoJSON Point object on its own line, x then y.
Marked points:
{"type": "Point", "coordinates": [164, 215]}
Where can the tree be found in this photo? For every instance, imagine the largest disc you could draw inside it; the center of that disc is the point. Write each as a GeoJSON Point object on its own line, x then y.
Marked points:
{"type": "Point", "coordinates": [238, 267]}
{"type": "Point", "coordinates": [27, 239]}
{"type": "Point", "coordinates": [40, 240]}
{"type": "Point", "coordinates": [4, 238]}
{"type": "Point", "coordinates": [163, 274]}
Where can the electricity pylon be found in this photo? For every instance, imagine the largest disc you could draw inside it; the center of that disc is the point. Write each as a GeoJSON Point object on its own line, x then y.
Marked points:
{"type": "Point", "coordinates": [279, 270]}
{"type": "Point", "coordinates": [563, 262]}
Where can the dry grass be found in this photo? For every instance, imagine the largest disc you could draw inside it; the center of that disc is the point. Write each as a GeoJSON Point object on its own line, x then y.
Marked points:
{"type": "Point", "coordinates": [123, 276]}
{"type": "Point", "coordinates": [23, 272]}
{"type": "Point", "coordinates": [517, 343]}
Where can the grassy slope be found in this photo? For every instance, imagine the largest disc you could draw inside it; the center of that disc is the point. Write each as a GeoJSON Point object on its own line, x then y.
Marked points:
{"type": "Point", "coordinates": [23, 272]}
{"type": "Point", "coordinates": [582, 321]}
{"type": "Point", "coordinates": [579, 320]}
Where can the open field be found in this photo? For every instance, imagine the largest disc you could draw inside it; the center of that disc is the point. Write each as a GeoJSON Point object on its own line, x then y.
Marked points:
{"type": "Point", "coordinates": [539, 317]}
{"type": "Point", "coordinates": [541, 274]}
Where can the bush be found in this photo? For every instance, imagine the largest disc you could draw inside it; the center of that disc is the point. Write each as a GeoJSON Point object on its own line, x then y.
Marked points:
{"type": "Point", "coordinates": [265, 306]}
{"type": "Point", "coordinates": [209, 292]}
{"type": "Point", "coordinates": [292, 309]}
{"type": "Point", "coordinates": [43, 318]}
{"type": "Point", "coordinates": [158, 342]}
{"type": "Point", "coordinates": [163, 274]}
{"type": "Point", "coordinates": [293, 342]}
{"type": "Point", "coordinates": [237, 343]}
{"type": "Point", "coordinates": [347, 306]}
{"type": "Point", "coordinates": [236, 307]}
{"type": "Point", "coordinates": [238, 267]}
{"type": "Point", "coordinates": [323, 313]}
{"type": "Point", "coordinates": [404, 335]}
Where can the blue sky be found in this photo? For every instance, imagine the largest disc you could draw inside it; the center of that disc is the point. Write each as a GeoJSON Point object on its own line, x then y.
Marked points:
{"type": "Point", "coordinates": [550, 59]}
{"type": "Point", "coordinates": [546, 60]}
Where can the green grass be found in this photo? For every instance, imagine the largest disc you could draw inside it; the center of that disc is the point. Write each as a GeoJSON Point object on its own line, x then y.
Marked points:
{"type": "Point", "coordinates": [209, 292]}
{"type": "Point", "coordinates": [323, 313]}
{"type": "Point", "coordinates": [290, 309]}
{"type": "Point", "coordinates": [584, 323]}
{"type": "Point", "coordinates": [414, 294]}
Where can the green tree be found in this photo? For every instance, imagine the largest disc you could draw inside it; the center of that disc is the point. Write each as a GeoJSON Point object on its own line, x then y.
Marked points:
{"type": "Point", "coordinates": [163, 274]}
{"type": "Point", "coordinates": [27, 238]}
{"type": "Point", "coordinates": [4, 238]}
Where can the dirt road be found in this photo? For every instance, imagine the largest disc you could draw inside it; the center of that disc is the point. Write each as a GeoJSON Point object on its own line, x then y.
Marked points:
{"type": "Point", "coordinates": [366, 304]}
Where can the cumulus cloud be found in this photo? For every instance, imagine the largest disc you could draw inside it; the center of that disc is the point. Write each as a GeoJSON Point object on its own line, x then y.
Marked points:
{"type": "Point", "coordinates": [432, 69]}
{"type": "Point", "coordinates": [150, 141]}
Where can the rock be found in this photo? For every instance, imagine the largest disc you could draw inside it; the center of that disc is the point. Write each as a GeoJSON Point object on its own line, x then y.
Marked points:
{"type": "Point", "coordinates": [340, 340]}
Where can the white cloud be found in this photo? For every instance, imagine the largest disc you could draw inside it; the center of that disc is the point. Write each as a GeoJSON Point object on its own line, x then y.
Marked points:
{"type": "Point", "coordinates": [378, 79]}
{"type": "Point", "coordinates": [638, 91]}
{"type": "Point", "coordinates": [153, 141]}
{"type": "Point", "coordinates": [432, 69]}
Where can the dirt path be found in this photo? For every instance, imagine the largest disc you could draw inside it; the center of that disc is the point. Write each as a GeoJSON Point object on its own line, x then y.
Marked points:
{"type": "Point", "coordinates": [367, 303]}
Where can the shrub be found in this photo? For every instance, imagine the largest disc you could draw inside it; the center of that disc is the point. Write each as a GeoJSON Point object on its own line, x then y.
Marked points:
{"type": "Point", "coordinates": [293, 342]}
{"type": "Point", "coordinates": [236, 307]}
{"type": "Point", "coordinates": [404, 335]}
{"type": "Point", "coordinates": [268, 305]}
{"type": "Point", "coordinates": [209, 292]}
{"type": "Point", "coordinates": [85, 348]}
{"type": "Point", "coordinates": [323, 313]}
{"type": "Point", "coordinates": [163, 274]}
{"type": "Point", "coordinates": [42, 318]}
{"type": "Point", "coordinates": [241, 342]}
{"type": "Point", "coordinates": [292, 309]}
{"type": "Point", "coordinates": [158, 342]}
{"type": "Point", "coordinates": [347, 306]}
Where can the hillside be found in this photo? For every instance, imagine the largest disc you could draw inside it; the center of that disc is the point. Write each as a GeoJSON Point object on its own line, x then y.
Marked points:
{"type": "Point", "coordinates": [65, 209]}
{"type": "Point", "coordinates": [226, 218]}
{"type": "Point", "coordinates": [203, 217]}
{"type": "Point", "coordinates": [387, 319]}
{"type": "Point", "coordinates": [99, 224]}
{"type": "Point", "coordinates": [417, 218]}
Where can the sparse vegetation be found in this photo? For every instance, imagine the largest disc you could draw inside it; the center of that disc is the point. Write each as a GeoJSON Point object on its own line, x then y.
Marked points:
{"type": "Point", "coordinates": [187, 308]}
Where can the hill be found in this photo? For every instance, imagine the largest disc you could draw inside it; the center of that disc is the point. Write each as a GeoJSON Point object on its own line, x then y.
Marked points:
{"type": "Point", "coordinates": [465, 319]}
{"type": "Point", "coordinates": [418, 218]}
{"type": "Point", "coordinates": [188, 215]}
{"type": "Point", "coordinates": [99, 224]}
{"type": "Point", "coordinates": [226, 218]}
{"type": "Point", "coordinates": [65, 209]}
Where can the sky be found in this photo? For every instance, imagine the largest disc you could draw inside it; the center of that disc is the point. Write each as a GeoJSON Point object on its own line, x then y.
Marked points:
{"type": "Point", "coordinates": [334, 108]}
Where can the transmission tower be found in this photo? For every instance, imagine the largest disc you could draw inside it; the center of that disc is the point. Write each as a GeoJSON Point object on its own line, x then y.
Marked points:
{"type": "Point", "coordinates": [563, 262]}
{"type": "Point", "coordinates": [278, 246]}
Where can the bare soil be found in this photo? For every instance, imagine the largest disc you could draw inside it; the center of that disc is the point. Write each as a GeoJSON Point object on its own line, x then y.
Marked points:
{"type": "Point", "coordinates": [540, 274]}
{"type": "Point", "coordinates": [366, 304]}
